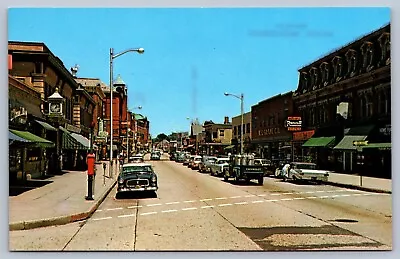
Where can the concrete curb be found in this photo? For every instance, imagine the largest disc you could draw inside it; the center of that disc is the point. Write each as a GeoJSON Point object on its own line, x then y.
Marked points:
{"type": "Point", "coordinates": [62, 220]}
{"type": "Point", "coordinates": [356, 187]}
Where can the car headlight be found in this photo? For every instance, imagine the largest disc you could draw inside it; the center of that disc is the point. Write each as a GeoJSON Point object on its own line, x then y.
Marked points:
{"type": "Point", "coordinates": [154, 178]}
{"type": "Point", "coordinates": [121, 181]}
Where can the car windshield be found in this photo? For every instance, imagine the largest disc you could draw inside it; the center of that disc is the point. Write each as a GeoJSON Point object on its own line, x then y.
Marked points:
{"type": "Point", "coordinates": [136, 169]}
{"type": "Point", "coordinates": [305, 166]}
{"type": "Point", "coordinates": [212, 160]}
{"type": "Point", "coordinates": [222, 162]}
{"type": "Point", "coordinates": [197, 159]}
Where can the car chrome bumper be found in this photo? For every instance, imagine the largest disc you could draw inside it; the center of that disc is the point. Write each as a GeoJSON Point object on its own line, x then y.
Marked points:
{"type": "Point", "coordinates": [134, 189]}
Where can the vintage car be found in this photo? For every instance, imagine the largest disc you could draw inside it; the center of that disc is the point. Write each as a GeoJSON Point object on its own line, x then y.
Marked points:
{"type": "Point", "coordinates": [218, 167]}
{"type": "Point", "coordinates": [188, 160]}
{"type": "Point", "coordinates": [137, 177]}
{"type": "Point", "coordinates": [195, 162]}
{"type": "Point", "coordinates": [136, 159]}
{"type": "Point", "coordinates": [267, 165]}
{"type": "Point", "coordinates": [155, 156]}
{"type": "Point", "coordinates": [206, 161]}
{"type": "Point", "coordinates": [302, 171]}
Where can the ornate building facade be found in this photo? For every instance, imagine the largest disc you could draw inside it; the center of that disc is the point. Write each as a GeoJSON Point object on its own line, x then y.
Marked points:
{"type": "Point", "coordinates": [345, 96]}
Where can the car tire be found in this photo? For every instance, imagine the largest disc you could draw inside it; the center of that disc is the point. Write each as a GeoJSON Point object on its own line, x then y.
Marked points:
{"type": "Point", "coordinates": [261, 180]}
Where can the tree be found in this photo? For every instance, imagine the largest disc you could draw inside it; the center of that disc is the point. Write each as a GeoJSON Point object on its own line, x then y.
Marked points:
{"type": "Point", "coordinates": [161, 137]}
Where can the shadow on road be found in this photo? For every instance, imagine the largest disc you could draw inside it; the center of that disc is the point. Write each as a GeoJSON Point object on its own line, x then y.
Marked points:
{"type": "Point", "coordinates": [136, 195]}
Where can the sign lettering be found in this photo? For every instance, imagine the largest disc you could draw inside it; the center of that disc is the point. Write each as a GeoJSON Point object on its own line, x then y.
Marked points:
{"type": "Point", "coordinates": [303, 135]}
{"type": "Point", "coordinates": [270, 131]}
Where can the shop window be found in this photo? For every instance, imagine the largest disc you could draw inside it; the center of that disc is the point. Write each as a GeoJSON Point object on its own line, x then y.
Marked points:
{"type": "Point", "coordinates": [369, 106]}
{"type": "Point", "coordinates": [34, 154]}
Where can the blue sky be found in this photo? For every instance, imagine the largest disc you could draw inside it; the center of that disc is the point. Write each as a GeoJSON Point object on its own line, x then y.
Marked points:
{"type": "Point", "coordinates": [192, 56]}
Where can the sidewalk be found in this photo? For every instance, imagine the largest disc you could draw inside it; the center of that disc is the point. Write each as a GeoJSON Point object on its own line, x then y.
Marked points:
{"type": "Point", "coordinates": [63, 201]}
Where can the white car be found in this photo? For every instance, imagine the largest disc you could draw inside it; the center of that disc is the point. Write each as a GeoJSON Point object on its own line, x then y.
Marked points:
{"type": "Point", "coordinates": [306, 172]}
{"type": "Point", "coordinates": [218, 167]}
{"type": "Point", "coordinates": [196, 162]}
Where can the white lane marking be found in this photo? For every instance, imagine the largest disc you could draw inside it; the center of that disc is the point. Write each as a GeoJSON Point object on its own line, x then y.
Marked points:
{"type": "Point", "coordinates": [234, 197]}
{"type": "Point", "coordinates": [261, 195]}
{"type": "Point", "coordinates": [132, 207]}
{"type": "Point", "coordinates": [320, 191]}
{"type": "Point", "coordinates": [323, 197]}
{"type": "Point", "coordinates": [166, 211]}
{"type": "Point", "coordinates": [115, 209]}
{"type": "Point", "coordinates": [357, 194]}
{"type": "Point", "coordinates": [127, 215]}
{"type": "Point", "coordinates": [205, 207]}
{"type": "Point", "coordinates": [99, 210]}
{"type": "Point", "coordinates": [151, 205]}
{"type": "Point", "coordinates": [312, 197]}
{"type": "Point", "coordinates": [275, 194]}
{"type": "Point", "coordinates": [175, 202]}
{"type": "Point", "coordinates": [271, 200]}
{"type": "Point", "coordinates": [226, 204]}
{"type": "Point", "coordinates": [221, 198]}
{"type": "Point", "coordinates": [189, 201]}
{"type": "Point", "coordinates": [286, 193]}
{"type": "Point", "coordinates": [206, 200]}
{"type": "Point", "coordinates": [287, 199]}
{"type": "Point", "coordinates": [336, 196]}
{"type": "Point", "coordinates": [330, 191]}
{"type": "Point", "coordinates": [367, 194]}
{"type": "Point", "coordinates": [307, 192]}
{"type": "Point", "coordinates": [148, 213]}
{"type": "Point", "coordinates": [240, 203]}
{"type": "Point", "coordinates": [345, 195]}
{"type": "Point", "coordinates": [103, 218]}
{"type": "Point", "coordinates": [257, 201]}
{"type": "Point", "coordinates": [189, 209]}
{"type": "Point", "coordinates": [247, 196]}
{"type": "Point", "coordinates": [299, 198]}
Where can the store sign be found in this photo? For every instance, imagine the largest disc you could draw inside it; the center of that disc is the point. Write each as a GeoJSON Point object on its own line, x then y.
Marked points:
{"type": "Point", "coordinates": [360, 143]}
{"type": "Point", "coordinates": [72, 128]}
{"type": "Point", "coordinates": [386, 131]}
{"type": "Point", "coordinates": [18, 114]}
{"type": "Point", "coordinates": [9, 62]}
{"type": "Point", "coordinates": [303, 135]}
{"type": "Point", "coordinates": [268, 132]}
{"type": "Point", "coordinates": [293, 123]}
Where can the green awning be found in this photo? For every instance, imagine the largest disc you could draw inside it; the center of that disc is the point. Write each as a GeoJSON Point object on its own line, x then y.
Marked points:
{"type": "Point", "coordinates": [347, 143]}
{"type": "Point", "coordinates": [46, 126]}
{"type": "Point", "coordinates": [70, 142]}
{"type": "Point", "coordinates": [319, 142]}
{"type": "Point", "coordinates": [380, 146]}
{"type": "Point", "coordinates": [39, 142]}
{"type": "Point", "coordinates": [229, 147]}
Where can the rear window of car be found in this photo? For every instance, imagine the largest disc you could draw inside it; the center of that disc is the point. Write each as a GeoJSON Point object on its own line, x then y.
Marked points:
{"type": "Point", "coordinates": [305, 166]}
{"type": "Point", "coordinates": [136, 169]}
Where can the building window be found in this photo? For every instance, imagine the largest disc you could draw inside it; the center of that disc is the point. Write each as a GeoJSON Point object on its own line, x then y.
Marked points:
{"type": "Point", "coordinates": [215, 134]}
{"type": "Point", "coordinates": [248, 127]}
{"type": "Point", "coordinates": [244, 129]}
{"type": "Point", "coordinates": [234, 130]}
{"type": "Point", "coordinates": [221, 133]}
{"type": "Point", "coordinates": [369, 106]}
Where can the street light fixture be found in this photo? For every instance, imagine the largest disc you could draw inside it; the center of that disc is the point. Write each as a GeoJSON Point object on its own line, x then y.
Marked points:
{"type": "Point", "coordinates": [112, 57]}
{"type": "Point", "coordinates": [241, 97]}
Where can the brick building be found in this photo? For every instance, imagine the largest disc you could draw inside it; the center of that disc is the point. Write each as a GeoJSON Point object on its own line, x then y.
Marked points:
{"type": "Point", "coordinates": [236, 133]}
{"type": "Point", "coordinates": [269, 134]}
{"type": "Point", "coordinates": [345, 96]}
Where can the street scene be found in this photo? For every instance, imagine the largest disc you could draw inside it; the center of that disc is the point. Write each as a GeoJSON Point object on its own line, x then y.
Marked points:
{"type": "Point", "coordinates": [169, 149]}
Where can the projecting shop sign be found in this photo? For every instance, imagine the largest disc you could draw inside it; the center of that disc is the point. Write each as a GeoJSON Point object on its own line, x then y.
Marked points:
{"type": "Point", "coordinates": [293, 123]}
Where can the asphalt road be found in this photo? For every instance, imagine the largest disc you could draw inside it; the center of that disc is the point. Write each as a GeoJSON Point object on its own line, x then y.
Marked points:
{"type": "Point", "coordinates": [199, 212]}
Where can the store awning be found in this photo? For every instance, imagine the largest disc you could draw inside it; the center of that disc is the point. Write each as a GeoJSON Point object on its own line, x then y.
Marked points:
{"type": "Point", "coordinates": [83, 140]}
{"type": "Point", "coordinates": [319, 142]}
{"type": "Point", "coordinates": [380, 146]}
{"type": "Point", "coordinates": [230, 147]}
{"type": "Point", "coordinates": [347, 143]}
{"type": "Point", "coordinates": [12, 138]}
{"type": "Point", "coordinates": [38, 141]}
{"type": "Point", "coordinates": [69, 142]}
{"type": "Point", "coordinates": [46, 126]}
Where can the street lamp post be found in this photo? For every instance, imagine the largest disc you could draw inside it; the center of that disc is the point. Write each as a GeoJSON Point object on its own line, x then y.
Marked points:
{"type": "Point", "coordinates": [112, 57]}
{"type": "Point", "coordinates": [241, 97]}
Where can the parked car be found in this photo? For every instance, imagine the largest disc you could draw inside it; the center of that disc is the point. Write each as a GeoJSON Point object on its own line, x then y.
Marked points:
{"type": "Point", "coordinates": [181, 157]}
{"type": "Point", "coordinates": [155, 156]}
{"type": "Point", "coordinates": [242, 167]}
{"type": "Point", "coordinates": [204, 165]}
{"type": "Point", "coordinates": [218, 167]}
{"type": "Point", "coordinates": [195, 163]}
{"type": "Point", "coordinates": [267, 165]}
{"type": "Point", "coordinates": [301, 171]}
{"type": "Point", "coordinates": [137, 177]}
{"type": "Point", "coordinates": [187, 159]}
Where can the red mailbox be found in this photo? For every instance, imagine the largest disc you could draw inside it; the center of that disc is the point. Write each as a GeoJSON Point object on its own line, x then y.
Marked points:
{"type": "Point", "coordinates": [90, 159]}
